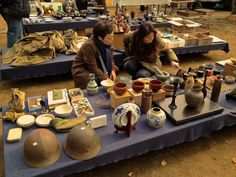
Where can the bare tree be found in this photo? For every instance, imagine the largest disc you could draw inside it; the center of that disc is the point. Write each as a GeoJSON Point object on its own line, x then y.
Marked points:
{"type": "Point", "coordinates": [233, 7]}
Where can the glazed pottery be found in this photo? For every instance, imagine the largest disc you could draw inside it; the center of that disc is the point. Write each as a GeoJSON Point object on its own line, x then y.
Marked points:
{"type": "Point", "coordinates": [119, 117]}
{"type": "Point", "coordinates": [169, 89]}
{"type": "Point", "coordinates": [92, 86]}
{"type": "Point", "coordinates": [163, 77]}
{"type": "Point", "coordinates": [107, 83]}
{"type": "Point", "coordinates": [155, 85]}
{"type": "Point", "coordinates": [146, 102]}
{"type": "Point", "coordinates": [194, 96]}
{"type": "Point", "coordinates": [229, 79]}
{"type": "Point", "coordinates": [120, 88]}
{"type": "Point", "coordinates": [215, 93]}
{"type": "Point", "coordinates": [156, 117]}
{"type": "Point", "coordinates": [137, 86]}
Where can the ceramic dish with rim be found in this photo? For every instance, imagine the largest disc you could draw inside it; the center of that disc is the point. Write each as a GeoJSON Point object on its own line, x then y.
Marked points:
{"type": "Point", "coordinates": [145, 80]}
{"type": "Point", "coordinates": [44, 120]}
{"type": "Point", "coordinates": [63, 110]}
{"type": "Point", "coordinates": [107, 83]}
{"type": "Point", "coordinates": [92, 18]}
{"type": "Point", "coordinates": [229, 79]}
{"type": "Point", "coordinates": [25, 121]}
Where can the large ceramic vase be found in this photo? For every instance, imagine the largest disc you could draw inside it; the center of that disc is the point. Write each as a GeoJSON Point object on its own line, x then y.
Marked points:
{"type": "Point", "coordinates": [194, 96]}
{"type": "Point", "coordinates": [156, 117]}
{"type": "Point", "coordinates": [92, 86]}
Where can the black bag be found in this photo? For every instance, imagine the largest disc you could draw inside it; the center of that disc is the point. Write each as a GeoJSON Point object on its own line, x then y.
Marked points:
{"type": "Point", "coordinates": [16, 8]}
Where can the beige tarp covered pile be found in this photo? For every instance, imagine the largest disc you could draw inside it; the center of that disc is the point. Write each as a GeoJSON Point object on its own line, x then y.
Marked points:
{"type": "Point", "coordinates": [40, 47]}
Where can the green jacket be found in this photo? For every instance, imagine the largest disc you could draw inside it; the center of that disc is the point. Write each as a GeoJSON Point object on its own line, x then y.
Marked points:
{"type": "Point", "coordinates": [34, 48]}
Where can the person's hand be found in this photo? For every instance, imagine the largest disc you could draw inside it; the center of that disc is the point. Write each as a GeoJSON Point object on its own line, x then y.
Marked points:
{"type": "Point", "coordinates": [113, 76]}
{"type": "Point", "coordinates": [175, 64]}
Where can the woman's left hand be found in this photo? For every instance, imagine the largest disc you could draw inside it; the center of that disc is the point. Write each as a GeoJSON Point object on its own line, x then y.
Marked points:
{"type": "Point", "coordinates": [175, 64]}
{"type": "Point", "coordinates": [113, 76]}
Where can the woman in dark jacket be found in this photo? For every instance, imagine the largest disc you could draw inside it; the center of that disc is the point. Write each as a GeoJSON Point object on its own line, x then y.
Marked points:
{"type": "Point", "coordinates": [95, 56]}
{"type": "Point", "coordinates": [143, 48]}
{"type": "Point", "coordinates": [13, 11]}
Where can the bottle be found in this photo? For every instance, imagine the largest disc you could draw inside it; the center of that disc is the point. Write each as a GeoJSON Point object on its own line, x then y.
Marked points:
{"type": "Point", "coordinates": [92, 86]}
{"type": "Point", "coordinates": [215, 93]}
{"type": "Point", "coordinates": [146, 102]}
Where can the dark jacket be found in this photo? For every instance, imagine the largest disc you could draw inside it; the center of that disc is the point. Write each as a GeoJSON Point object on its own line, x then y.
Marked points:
{"type": "Point", "coordinates": [148, 61]}
{"type": "Point", "coordinates": [15, 8]}
{"type": "Point", "coordinates": [87, 61]}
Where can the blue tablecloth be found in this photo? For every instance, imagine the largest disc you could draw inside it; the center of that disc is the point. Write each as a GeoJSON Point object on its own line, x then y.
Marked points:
{"type": "Point", "coordinates": [62, 63]}
{"type": "Point", "coordinates": [115, 147]}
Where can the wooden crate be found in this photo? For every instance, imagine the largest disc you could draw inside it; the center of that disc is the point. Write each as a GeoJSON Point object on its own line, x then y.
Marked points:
{"type": "Point", "coordinates": [158, 96]}
{"type": "Point", "coordinates": [190, 40]}
{"type": "Point", "coordinates": [117, 100]}
{"type": "Point", "coordinates": [203, 39]}
{"type": "Point", "coordinates": [229, 68]}
{"type": "Point", "coordinates": [137, 96]}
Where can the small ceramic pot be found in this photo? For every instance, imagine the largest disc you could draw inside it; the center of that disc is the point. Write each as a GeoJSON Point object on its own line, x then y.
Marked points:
{"type": "Point", "coordinates": [229, 79]}
{"type": "Point", "coordinates": [120, 88]}
{"type": "Point", "coordinates": [163, 77]}
{"type": "Point", "coordinates": [216, 72]}
{"type": "Point", "coordinates": [169, 89]}
{"type": "Point", "coordinates": [156, 117]}
{"type": "Point", "coordinates": [137, 86]}
{"type": "Point", "coordinates": [155, 85]}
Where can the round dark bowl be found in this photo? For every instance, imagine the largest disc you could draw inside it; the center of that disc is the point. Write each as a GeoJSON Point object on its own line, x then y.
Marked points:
{"type": "Point", "coordinates": [208, 66]}
{"type": "Point", "coordinates": [137, 86]}
{"type": "Point", "coordinates": [120, 88]}
{"type": "Point", "coordinates": [155, 85]}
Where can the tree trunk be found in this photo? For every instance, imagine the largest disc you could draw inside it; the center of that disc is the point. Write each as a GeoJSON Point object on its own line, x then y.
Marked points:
{"type": "Point", "coordinates": [233, 7]}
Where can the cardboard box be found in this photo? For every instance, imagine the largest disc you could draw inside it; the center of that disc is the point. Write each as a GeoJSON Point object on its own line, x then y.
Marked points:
{"type": "Point", "coordinates": [229, 69]}
{"type": "Point", "coordinates": [203, 39]}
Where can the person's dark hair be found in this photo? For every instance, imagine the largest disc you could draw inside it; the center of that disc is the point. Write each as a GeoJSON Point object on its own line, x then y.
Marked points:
{"type": "Point", "coordinates": [102, 29]}
{"type": "Point", "coordinates": [138, 44]}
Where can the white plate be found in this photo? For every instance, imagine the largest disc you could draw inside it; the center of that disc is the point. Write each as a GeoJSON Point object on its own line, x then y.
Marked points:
{"type": "Point", "coordinates": [25, 121]}
{"type": "Point", "coordinates": [44, 120]}
{"type": "Point", "coordinates": [49, 20]}
{"type": "Point", "coordinates": [92, 18]}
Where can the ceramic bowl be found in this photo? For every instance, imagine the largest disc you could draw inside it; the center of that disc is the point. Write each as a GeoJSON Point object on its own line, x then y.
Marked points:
{"type": "Point", "coordinates": [137, 86]}
{"type": "Point", "coordinates": [25, 121]}
{"type": "Point", "coordinates": [169, 89]}
{"type": "Point", "coordinates": [163, 77]}
{"type": "Point", "coordinates": [120, 88]}
{"type": "Point", "coordinates": [107, 83]}
{"type": "Point", "coordinates": [44, 120]}
{"type": "Point", "coordinates": [208, 66]}
{"type": "Point", "coordinates": [155, 85]}
{"type": "Point", "coordinates": [229, 79]}
{"type": "Point", "coordinates": [63, 111]}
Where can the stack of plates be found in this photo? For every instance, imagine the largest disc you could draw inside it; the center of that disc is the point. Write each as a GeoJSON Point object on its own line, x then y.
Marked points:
{"type": "Point", "coordinates": [25, 121]}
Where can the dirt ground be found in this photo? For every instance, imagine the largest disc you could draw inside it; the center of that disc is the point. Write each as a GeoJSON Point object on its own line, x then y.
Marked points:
{"type": "Point", "coordinates": [205, 157]}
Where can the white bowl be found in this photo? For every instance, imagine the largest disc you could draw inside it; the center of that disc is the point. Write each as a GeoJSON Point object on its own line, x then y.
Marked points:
{"type": "Point", "coordinates": [107, 83]}
{"type": "Point", "coordinates": [25, 121]}
{"type": "Point", "coordinates": [44, 120]}
{"type": "Point", "coordinates": [64, 110]}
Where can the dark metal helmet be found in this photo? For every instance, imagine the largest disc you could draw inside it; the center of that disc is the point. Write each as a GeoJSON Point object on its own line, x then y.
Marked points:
{"type": "Point", "coordinates": [41, 148]}
{"type": "Point", "coordinates": [82, 143]}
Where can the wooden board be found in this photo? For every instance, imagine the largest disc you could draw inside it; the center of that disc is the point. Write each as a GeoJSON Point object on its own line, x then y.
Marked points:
{"type": "Point", "coordinates": [184, 114]}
